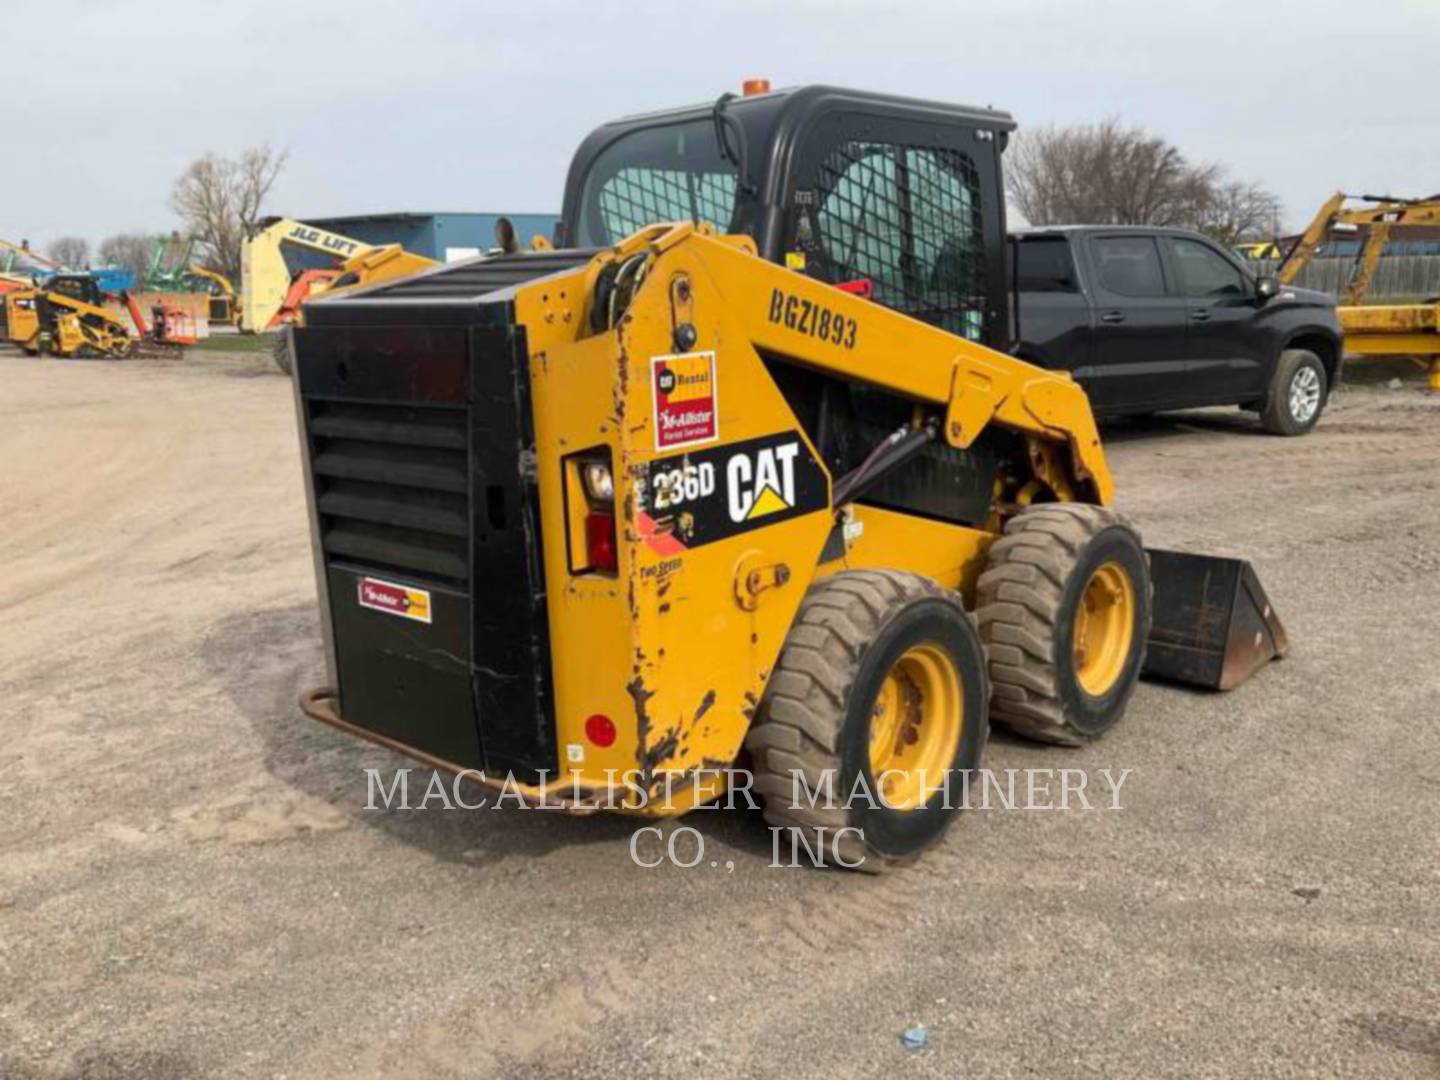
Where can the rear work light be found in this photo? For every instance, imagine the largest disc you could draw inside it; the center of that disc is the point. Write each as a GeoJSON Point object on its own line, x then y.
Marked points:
{"type": "Point", "coordinates": [598, 483]}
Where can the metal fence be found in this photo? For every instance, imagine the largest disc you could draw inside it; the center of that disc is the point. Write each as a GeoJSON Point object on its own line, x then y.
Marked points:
{"type": "Point", "coordinates": [1397, 277]}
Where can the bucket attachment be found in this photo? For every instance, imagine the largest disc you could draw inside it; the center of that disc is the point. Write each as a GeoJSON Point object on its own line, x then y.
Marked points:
{"type": "Point", "coordinates": [1212, 623]}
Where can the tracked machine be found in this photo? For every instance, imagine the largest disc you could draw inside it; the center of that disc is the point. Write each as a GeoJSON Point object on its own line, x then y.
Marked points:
{"type": "Point", "coordinates": [70, 316]}
{"type": "Point", "coordinates": [743, 477]}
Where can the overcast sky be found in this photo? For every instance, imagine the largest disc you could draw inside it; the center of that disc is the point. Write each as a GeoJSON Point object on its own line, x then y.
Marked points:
{"type": "Point", "coordinates": [445, 105]}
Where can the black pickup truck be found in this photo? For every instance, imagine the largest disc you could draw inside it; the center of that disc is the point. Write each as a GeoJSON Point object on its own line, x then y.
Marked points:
{"type": "Point", "coordinates": [1149, 319]}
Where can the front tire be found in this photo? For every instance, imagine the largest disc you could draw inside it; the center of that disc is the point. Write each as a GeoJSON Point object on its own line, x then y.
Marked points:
{"type": "Point", "coordinates": [1064, 610]}
{"type": "Point", "coordinates": [879, 698]}
{"type": "Point", "coordinates": [1298, 393]}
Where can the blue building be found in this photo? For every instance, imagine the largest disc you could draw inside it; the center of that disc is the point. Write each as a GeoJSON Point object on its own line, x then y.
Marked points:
{"type": "Point", "coordinates": [444, 237]}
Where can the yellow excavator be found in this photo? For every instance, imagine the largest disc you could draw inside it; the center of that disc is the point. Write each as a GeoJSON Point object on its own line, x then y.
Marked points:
{"type": "Point", "coordinates": [1409, 329]}
{"type": "Point", "coordinates": [223, 306]}
{"type": "Point", "coordinates": [742, 490]}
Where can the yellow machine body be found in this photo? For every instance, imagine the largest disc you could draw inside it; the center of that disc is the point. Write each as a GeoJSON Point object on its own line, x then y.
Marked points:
{"type": "Point", "coordinates": [677, 645]}
{"type": "Point", "coordinates": [22, 320]}
{"type": "Point", "coordinates": [78, 327]}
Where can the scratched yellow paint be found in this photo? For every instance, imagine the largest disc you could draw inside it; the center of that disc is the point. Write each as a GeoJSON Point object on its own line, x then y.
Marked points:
{"type": "Point", "coordinates": [671, 648]}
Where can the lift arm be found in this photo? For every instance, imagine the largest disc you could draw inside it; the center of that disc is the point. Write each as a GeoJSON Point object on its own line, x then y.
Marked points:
{"type": "Point", "coordinates": [973, 384]}
{"type": "Point", "coordinates": [786, 314]}
{"type": "Point", "coordinates": [168, 269]}
{"type": "Point", "coordinates": [14, 251]}
{"type": "Point", "coordinates": [219, 280]}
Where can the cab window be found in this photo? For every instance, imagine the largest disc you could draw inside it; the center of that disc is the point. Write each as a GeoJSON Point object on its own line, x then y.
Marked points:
{"type": "Point", "coordinates": [653, 175]}
{"type": "Point", "coordinates": [907, 220]}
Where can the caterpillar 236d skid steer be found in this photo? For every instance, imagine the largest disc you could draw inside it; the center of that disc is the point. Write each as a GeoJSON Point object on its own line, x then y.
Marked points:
{"type": "Point", "coordinates": [760, 488]}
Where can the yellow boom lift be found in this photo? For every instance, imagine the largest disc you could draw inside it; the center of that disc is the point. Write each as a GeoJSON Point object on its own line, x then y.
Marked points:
{"type": "Point", "coordinates": [271, 296]}
{"type": "Point", "coordinates": [595, 525]}
{"type": "Point", "coordinates": [1409, 329]}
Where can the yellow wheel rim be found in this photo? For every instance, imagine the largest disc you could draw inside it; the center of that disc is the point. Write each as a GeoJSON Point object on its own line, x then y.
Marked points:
{"type": "Point", "coordinates": [915, 727]}
{"type": "Point", "coordinates": [1104, 628]}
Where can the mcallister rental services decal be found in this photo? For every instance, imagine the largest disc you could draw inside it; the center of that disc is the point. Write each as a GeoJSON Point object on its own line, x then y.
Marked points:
{"type": "Point", "coordinates": [683, 391]}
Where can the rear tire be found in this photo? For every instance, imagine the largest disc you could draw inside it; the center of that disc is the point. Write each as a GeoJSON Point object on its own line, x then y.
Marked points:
{"type": "Point", "coordinates": [1064, 612]}
{"type": "Point", "coordinates": [1299, 390]}
{"type": "Point", "coordinates": [282, 352]}
{"type": "Point", "coordinates": [880, 667]}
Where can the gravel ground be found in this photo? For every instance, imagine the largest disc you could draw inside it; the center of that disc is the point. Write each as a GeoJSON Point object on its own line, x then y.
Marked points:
{"type": "Point", "coordinates": [190, 885]}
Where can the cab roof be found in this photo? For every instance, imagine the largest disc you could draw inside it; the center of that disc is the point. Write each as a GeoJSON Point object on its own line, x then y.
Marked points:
{"type": "Point", "coordinates": [799, 99]}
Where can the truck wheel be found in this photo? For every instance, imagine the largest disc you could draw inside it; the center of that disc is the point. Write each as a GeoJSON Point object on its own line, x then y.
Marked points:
{"type": "Point", "coordinates": [1064, 612]}
{"type": "Point", "coordinates": [280, 350]}
{"type": "Point", "coordinates": [1298, 391]}
{"type": "Point", "coordinates": [878, 699]}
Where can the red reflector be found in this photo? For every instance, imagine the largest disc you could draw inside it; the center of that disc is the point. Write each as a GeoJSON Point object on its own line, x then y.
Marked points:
{"type": "Point", "coordinates": [600, 730]}
{"type": "Point", "coordinates": [862, 287]}
{"type": "Point", "coordinates": [600, 542]}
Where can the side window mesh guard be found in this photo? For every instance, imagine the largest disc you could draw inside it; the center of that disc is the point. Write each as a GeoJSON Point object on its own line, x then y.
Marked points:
{"type": "Point", "coordinates": [908, 219]}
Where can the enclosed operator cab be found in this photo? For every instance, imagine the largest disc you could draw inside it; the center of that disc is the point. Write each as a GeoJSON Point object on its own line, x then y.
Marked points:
{"type": "Point", "coordinates": [897, 198]}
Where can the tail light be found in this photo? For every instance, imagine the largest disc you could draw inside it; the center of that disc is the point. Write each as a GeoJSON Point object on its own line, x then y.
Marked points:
{"type": "Point", "coordinates": [590, 508]}
{"type": "Point", "coordinates": [600, 551]}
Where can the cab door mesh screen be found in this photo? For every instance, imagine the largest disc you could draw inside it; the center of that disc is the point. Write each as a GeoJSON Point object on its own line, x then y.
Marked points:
{"type": "Point", "coordinates": [908, 220]}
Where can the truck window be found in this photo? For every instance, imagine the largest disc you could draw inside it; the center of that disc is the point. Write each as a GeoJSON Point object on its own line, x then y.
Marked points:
{"type": "Point", "coordinates": [1044, 265]}
{"type": "Point", "coordinates": [670, 173]}
{"type": "Point", "coordinates": [1129, 265]}
{"type": "Point", "coordinates": [1203, 272]}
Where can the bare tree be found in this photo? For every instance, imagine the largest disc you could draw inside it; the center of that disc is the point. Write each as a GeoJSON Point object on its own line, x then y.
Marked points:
{"type": "Point", "coordinates": [72, 252]}
{"type": "Point", "coordinates": [128, 250]}
{"type": "Point", "coordinates": [1110, 174]}
{"type": "Point", "coordinates": [220, 199]}
{"type": "Point", "coordinates": [1239, 211]}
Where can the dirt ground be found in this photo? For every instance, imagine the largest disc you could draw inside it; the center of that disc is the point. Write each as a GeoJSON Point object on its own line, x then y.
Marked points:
{"type": "Point", "coordinates": [190, 885]}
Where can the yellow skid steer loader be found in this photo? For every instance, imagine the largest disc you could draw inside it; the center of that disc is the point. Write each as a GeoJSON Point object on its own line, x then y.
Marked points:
{"type": "Point", "coordinates": [743, 478]}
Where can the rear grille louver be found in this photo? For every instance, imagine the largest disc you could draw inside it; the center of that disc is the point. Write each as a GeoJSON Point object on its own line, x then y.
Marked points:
{"type": "Point", "coordinates": [391, 486]}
